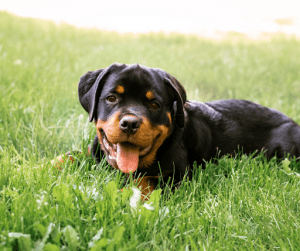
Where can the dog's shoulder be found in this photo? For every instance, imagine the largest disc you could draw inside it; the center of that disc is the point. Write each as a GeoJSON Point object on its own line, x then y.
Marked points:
{"type": "Point", "coordinates": [199, 111]}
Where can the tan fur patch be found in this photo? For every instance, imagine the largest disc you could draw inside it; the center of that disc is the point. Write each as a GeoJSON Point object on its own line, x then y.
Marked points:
{"type": "Point", "coordinates": [169, 117]}
{"type": "Point", "coordinates": [146, 186]}
{"type": "Point", "coordinates": [149, 95]}
{"type": "Point", "coordinates": [163, 132]}
{"type": "Point", "coordinates": [120, 89]}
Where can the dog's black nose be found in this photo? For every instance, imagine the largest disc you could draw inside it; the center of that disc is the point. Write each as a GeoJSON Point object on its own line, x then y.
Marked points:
{"type": "Point", "coordinates": [130, 124]}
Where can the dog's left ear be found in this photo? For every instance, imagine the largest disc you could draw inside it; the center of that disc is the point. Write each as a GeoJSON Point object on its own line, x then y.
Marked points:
{"type": "Point", "coordinates": [180, 96]}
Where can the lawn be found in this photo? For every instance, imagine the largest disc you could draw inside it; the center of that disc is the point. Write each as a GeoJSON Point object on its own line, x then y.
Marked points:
{"type": "Point", "coordinates": [239, 203]}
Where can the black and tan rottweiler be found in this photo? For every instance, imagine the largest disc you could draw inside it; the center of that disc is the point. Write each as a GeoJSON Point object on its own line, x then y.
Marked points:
{"type": "Point", "coordinates": [145, 125]}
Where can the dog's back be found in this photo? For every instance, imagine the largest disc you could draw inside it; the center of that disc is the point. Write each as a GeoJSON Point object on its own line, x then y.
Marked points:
{"type": "Point", "coordinates": [232, 126]}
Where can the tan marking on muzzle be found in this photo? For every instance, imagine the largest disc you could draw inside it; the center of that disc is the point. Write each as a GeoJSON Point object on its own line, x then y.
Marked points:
{"type": "Point", "coordinates": [147, 135]}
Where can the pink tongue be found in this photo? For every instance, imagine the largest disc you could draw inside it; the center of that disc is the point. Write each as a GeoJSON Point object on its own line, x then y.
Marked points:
{"type": "Point", "coordinates": [127, 157]}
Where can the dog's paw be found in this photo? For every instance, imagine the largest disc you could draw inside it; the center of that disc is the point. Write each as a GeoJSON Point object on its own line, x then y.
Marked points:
{"type": "Point", "coordinates": [59, 161]}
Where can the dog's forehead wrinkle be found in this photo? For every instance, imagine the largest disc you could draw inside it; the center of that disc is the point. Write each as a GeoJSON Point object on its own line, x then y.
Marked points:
{"type": "Point", "coordinates": [140, 72]}
{"type": "Point", "coordinates": [139, 77]}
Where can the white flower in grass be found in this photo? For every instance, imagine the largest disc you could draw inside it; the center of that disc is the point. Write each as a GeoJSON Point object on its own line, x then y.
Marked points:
{"type": "Point", "coordinates": [135, 198]}
{"type": "Point", "coordinates": [149, 206]}
{"type": "Point", "coordinates": [41, 200]}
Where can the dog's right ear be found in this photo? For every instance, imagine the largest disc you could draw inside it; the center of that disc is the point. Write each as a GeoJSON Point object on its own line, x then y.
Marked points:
{"type": "Point", "coordinates": [89, 88]}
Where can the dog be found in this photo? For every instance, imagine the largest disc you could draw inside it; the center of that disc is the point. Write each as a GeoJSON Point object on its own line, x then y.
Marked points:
{"type": "Point", "coordinates": [146, 126]}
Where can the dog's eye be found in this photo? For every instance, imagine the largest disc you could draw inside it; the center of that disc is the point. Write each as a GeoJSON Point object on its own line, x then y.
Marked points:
{"type": "Point", "coordinates": [111, 99]}
{"type": "Point", "coordinates": [154, 106]}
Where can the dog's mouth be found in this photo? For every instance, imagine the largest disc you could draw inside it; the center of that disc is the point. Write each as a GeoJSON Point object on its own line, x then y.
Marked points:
{"type": "Point", "coordinates": [124, 155]}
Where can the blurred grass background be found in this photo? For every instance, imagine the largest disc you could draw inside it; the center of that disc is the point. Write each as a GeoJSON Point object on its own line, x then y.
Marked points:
{"type": "Point", "coordinates": [40, 66]}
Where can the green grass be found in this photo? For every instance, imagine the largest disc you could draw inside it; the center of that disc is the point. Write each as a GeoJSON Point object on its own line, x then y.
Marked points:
{"type": "Point", "coordinates": [236, 204]}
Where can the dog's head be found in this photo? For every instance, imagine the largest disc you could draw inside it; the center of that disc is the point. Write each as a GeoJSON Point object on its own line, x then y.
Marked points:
{"type": "Point", "coordinates": [135, 109]}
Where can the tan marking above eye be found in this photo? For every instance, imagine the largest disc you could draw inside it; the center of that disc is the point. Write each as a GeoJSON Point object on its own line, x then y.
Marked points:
{"type": "Point", "coordinates": [120, 89]}
{"type": "Point", "coordinates": [149, 95]}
